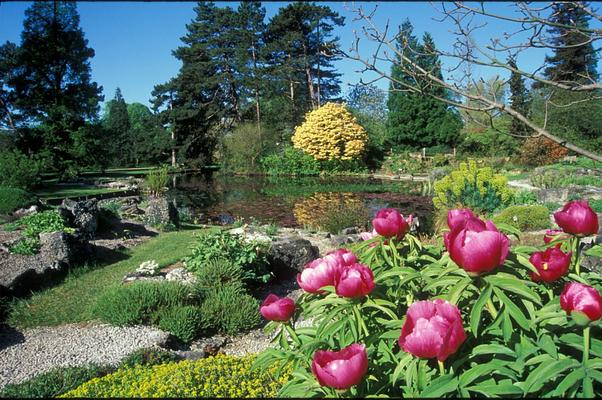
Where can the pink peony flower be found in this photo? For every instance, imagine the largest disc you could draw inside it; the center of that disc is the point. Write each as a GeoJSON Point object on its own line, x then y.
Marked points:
{"type": "Point", "coordinates": [346, 257]}
{"type": "Point", "coordinates": [389, 223]}
{"type": "Point", "coordinates": [275, 308]}
{"type": "Point", "coordinates": [551, 264]}
{"type": "Point", "coordinates": [477, 247]}
{"type": "Point", "coordinates": [356, 280]}
{"type": "Point", "coordinates": [319, 273]}
{"type": "Point", "coordinates": [577, 218]}
{"type": "Point", "coordinates": [459, 217]}
{"type": "Point", "coordinates": [551, 234]}
{"type": "Point", "coordinates": [432, 329]}
{"type": "Point", "coordinates": [583, 302]}
{"type": "Point", "coordinates": [340, 369]}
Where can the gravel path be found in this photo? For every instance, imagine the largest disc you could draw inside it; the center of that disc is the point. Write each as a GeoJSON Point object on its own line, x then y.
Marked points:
{"type": "Point", "coordinates": [25, 354]}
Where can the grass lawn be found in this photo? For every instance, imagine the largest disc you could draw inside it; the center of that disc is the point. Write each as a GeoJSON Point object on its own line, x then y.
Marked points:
{"type": "Point", "coordinates": [55, 191]}
{"type": "Point", "coordinates": [71, 300]}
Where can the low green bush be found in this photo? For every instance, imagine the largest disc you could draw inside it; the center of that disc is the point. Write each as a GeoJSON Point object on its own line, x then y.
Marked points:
{"type": "Point", "coordinates": [55, 382]}
{"type": "Point", "coordinates": [524, 197]}
{"type": "Point", "coordinates": [251, 257]}
{"type": "Point", "coordinates": [18, 170]}
{"type": "Point", "coordinates": [12, 198]}
{"type": "Point", "coordinates": [219, 376]}
{"type": "Point", "coordinates": [140, 302]}
{"type": "Point", "coordinates": [228, 309]}
{"type": "Point", "coordinates": [596, 205]}
{"type": "Point", "coordinates": [149, 356]}
{"type": "Point", "coordinates": [184, 322]}
{"type": "Point", "coordinates": [219, 272]}
{"type": "Point", "coordinates": [290, 162]}
{"type": "Point", "coordinates": [156, 180]}
{"type": "Point", "coordinates": [525, 218]}
{"type": "Point", "coordinates": [555, 178]}
{"type": "Point", "coordinates": [25, 247]}
{"type": "Point", "coordinates": [43, 222]}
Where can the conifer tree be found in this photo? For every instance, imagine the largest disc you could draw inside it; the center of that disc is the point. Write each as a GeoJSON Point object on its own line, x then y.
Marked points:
{"type": "Point", "coordinates": [117, 124]}
{"type": "Point", "coordinates": [519, 99]}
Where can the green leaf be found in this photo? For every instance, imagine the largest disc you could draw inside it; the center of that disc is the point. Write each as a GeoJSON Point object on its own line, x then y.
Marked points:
{"type": "Point", "coordinates": [512, 284]}
{"type": "Point", "coordinates": [595, 251]}
{"type": "Point", "coordinates": [588, 387]}
{"type": "Point", "coordinates": [569, 381]}
{"type": "Point", "coordinates": [548, 345]}
{"type": "Point", "coordinates": [597, 375]}
{"type": "Point", "coordinates": [440, 386]}
{"type": "Point", "coordinates": [513, 309]}
{"type": "Point", "coordinates": [493, 389]}
{"type": "Point", "coordinates": [457, 290]}
{"type": "Point", "coordinates": [401, 365]}
{"type": "Point", "coordinates": [492, 349]}
{"type": "Point", "coordinates": [546, 372]}
{"type": "Point", "coordinates": [477, 309]}
{"type": "Point", "coordinates": [475, 372]}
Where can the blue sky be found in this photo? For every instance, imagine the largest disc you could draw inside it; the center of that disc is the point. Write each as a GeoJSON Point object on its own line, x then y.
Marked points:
{"type": "Point", "coordinates": [133, 41]}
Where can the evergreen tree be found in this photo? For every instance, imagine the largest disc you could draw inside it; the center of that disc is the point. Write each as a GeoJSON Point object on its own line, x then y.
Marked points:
{"type": "Point", "coordinates": [299, 52]}
{"type": "Point", "coordinates": [117, 123]}
{"type": "Point", "coordinates": [418, 120]}
{"type": "Point", "coordinates": [519, 100]}
{"type": "Point", "coordinates": [8, 64]}
{"type": "Point", "coordinates": [52, 85]}
{"type": "Point", "coordinates": [574, 58]}
{"type": "Point", "coordinates": [149, 141]}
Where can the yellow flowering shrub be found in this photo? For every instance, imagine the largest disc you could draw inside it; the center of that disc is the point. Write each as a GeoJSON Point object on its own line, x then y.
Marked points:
{"type": "Point", "coordinates": [219, 376]}
{"type": "Point", "coordinates": [330, 133]}
{"type": "Point", "coordinates": [470, 186]}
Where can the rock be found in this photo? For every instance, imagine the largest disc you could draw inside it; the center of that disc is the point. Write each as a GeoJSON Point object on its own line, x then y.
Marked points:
{"type": "Point", "coordinates": [22, 212]}
{"type": "Point", "coordinates": [249, 234]}
{"type": "Point", "coordinates": [210, 345]}
{"type": "Point", "coordinates": [83, 215]}
{"type": "Point", "coordinates": [349, 231]}
{"type": "Point", "coordinates": [192, 355]}
{"type": "Point", "coordinates": [161, 211]}
{"type": "Point", "coordinates": [340, 240]}
{"type": "Point", "coordinates": [289, 255]}
{"type": "Point", "coordinates": [181, 275]}
{"type": "Point", "coordinates": [437, 173]}
{"type": "Point", "coordinates": [55, 247]}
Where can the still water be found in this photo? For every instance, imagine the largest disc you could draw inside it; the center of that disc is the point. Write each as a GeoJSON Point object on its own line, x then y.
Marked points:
{"type": "Point", "coordinates": [328, 203]}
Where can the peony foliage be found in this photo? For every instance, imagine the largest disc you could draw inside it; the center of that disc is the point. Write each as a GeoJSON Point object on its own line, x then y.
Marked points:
{"type": "Point", "coordinates": [482, 322]}
{"type": "Point", "coordinates": [330, 133]}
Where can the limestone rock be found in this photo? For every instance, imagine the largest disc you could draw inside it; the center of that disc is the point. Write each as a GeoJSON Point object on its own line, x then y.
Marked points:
{"type": "Point", "coordinates": [289, 255]}
{"type": "Point", "coordinates": [161, 211]}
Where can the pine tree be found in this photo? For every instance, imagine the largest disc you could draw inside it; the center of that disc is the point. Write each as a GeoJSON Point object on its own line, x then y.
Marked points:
{"type": "Point", "coordinates": [418, 120]}
{"type": "Point", "coordinates": [574, 58]}
{"type": "Point", "coordinates": [52, 85]}
{"type": "Point", "coordinates": [117, 123]}
{"type": "Point", "coordinates": [519, 100]}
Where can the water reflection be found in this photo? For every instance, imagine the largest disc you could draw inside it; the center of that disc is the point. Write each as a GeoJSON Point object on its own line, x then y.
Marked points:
{"type": "Point", "coordinates": [297, 202]}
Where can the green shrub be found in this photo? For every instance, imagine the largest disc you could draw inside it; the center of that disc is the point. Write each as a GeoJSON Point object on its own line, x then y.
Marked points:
{"type": "Point", "coordinates": [488, 142]}
{"type": "Point", "coordinates": [12, 198]}
{"type": "Point", "coordinates": [524, 197]}
{"type": "Point", "coordinates": [250, 256]}
{"type": "Point", "coordinates": [111, 208]}
{"type": "Point", "coordinates": [149, 356]}
{"type": "Point", "coordinates": [556, 178]}
{"type": "Point", "coordinates": [228, 309]}
{"type": "Point", "coordinates": [596, 205]}
{"type": "Point", "coordinates": [140, 302]}
{"type": "Point", "coordinates": [43, 222]}
{"type": "Point", "coordinates": [525, 218]}
{"type": "Point", "coordinates": [243, 147]}
{"type": "Point", "coordinates": [156, 180]}
{"type": "Point", "coordinates": [219, 272]}
{"type": "Point", "coordinates": [18, 170]}
{"type": "Point", "coordinates": [183, 322]}
{"type": "Point", "coordinates": [290, 162]}
{"type": "Point", "coordinates": [219, 376]}
{"type": "Point", "coordinates": [26, 247]}
{"type": "Point", "coordinates": [552, 206]}
{"type": "Point", "coordinates": [476, 188]}
{"type": "Point", "coordinates": [55, 382]}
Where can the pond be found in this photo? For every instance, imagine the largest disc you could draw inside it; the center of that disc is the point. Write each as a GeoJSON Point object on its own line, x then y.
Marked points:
{"type": "Point", "coordinates": [326, 203]}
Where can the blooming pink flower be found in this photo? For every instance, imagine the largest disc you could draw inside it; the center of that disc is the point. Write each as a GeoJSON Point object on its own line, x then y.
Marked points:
{"type": "Point", "coordinates": [354, 281]}
{"type": "Point", "coordinates": [319, 273]}
{"type": "Point", "coordinates": [550, 235]}
{"type": "Point", "coordinates": [368, 235]}
{"type": "Point", "coordinates": [388, 222]}
{"type": "Point", "coordinates": [275, 308]}
{"type": "Point", "coordinates": [345, 255]}
{"type": "Point", "coordinates": [477, 246]}
{"type": "Point", "coordinates": [459, 217]}
{"type": "Point", "coordinates": [582, 302]}
{"type": "Point", "coordinates": [577, 218]}
{"type": "Point", "coordinates": [551, 264]}
{"type": "Point", "coordinates": [432, 329]}
{"type": "Point", "coordinates": [340, 369]}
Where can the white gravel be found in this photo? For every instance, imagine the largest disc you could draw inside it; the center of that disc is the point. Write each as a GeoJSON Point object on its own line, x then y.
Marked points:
{"type": "Point", "coordinates": [25, 354]}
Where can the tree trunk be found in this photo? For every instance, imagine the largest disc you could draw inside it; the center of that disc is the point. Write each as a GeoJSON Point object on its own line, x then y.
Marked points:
{"type": "Point", "coordinates": [310, 83]}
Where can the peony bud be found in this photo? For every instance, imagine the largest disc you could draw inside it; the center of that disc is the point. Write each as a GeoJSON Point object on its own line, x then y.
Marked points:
{"type": "Point", "coordinates": [340, 369]}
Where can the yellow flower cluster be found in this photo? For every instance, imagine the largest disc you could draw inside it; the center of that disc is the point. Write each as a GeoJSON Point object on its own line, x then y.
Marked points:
{"type": "Point", "coordinates": [450, 188]}
{"type": "Point", "coordinates": [219, 376]}
{"type": "Point", "coordinates": [330, 132]}
{"type": "Point", "coordinates": [321, 210]}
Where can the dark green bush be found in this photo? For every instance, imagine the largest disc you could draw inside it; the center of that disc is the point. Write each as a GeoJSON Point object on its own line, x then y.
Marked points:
{"type": "Point", "coordinates": [149, 356]}
{"type": "Point", "coordinates": [525, 218]}
{"type": "Point", "coordinates": [184, 322]}
{"type": "Point", "coordinates": [26, 247]}
{"type": "Point", "coordinates": [55, 382]}
{"type": "Point", "coordinates": [219, 272]}
{"type": "Point", "coordinates": [18, 170]}
{"type": "Point", "coordinates": [524, 198]}
{"type": "Point", "coordinates": [12, 198]}
{"type": "Point", "coordinates": [250, 257]}
{"type": "Point", "coordinates": [290, 162]}
{"type": "Point", "coordinates": [140, 302]}
{"type": "Point", "coordinates": [228, 309]}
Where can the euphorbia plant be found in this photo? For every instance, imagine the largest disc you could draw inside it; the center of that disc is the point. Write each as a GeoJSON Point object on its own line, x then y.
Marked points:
{"type": "Point", "coordinates": [462, 319]}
